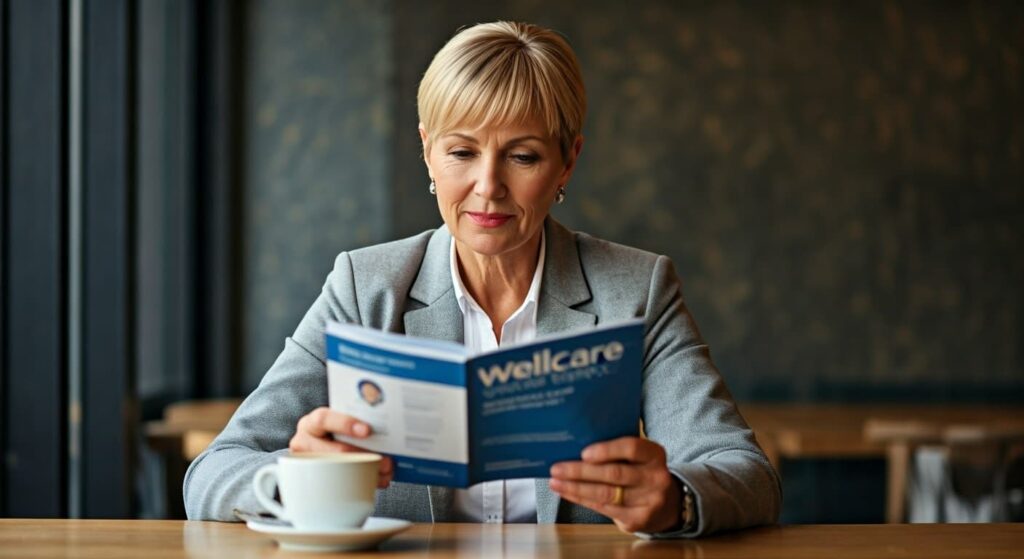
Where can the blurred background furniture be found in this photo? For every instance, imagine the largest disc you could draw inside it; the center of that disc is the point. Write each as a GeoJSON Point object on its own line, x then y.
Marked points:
{"type": "Point", "coordinates": [892, 432]}
{"type": "Point", "coordinates": [186, 429]}
{"type": "Point", "coordinates": [955, 467]}
{"type": "Point", "coordinates": [795, 431]}
{"type": "Point", "coordinates": [786, 431]}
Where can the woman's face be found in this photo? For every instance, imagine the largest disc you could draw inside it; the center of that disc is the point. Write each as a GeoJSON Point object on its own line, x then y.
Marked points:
{"type": "Point", "coordinates": [495, 185]}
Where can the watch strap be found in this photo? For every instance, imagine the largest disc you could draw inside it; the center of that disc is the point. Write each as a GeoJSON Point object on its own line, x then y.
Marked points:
{"type": "Point", "coordinates": [689, 513]}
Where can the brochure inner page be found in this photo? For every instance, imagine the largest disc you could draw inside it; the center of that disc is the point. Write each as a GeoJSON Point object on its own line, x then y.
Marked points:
{"type": "Point", "coordinates": [415, 401]}
{"type": "Point", "coordinates": [540, 403]}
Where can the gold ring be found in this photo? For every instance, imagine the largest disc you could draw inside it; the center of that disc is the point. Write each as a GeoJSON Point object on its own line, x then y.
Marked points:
{"type": "Point", "coordinates": [619, 495]}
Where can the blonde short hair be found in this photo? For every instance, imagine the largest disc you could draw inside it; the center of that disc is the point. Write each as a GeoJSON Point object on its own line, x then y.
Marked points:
{"type": "Point", "coordinates": [502, 73]}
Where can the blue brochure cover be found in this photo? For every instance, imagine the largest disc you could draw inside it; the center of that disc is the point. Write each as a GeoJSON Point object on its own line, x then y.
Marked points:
{"type": "Point", "coordinates": [454, 419]}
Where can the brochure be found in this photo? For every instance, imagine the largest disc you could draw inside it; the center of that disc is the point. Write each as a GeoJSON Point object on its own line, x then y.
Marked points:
{"type": "Point", "coordinates": [448, 417]}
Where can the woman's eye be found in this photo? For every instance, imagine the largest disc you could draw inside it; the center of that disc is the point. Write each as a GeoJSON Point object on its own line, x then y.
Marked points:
{"type": "Point", "coordinates": [524, 158]}
{"type": "Point", "coordinates": [461, 153]}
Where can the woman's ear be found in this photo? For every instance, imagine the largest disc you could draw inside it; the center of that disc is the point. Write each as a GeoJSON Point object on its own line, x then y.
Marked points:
{"type": "Point", "coordinates": [424, 139]}
{"type": "Point", "coordinates": [571, 158]}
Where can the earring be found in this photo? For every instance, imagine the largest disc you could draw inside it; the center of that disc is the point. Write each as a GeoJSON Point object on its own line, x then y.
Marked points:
{"type": "Point", "coordinates": [432, 188]}
{"type": "Point", "coordinates": [560, 195]}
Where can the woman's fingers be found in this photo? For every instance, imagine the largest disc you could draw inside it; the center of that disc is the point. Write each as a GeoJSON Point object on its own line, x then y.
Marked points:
{"type": "Point", "coordinates": [303, 442]}
{"type": "Point", "coordinates": [325, 421]}
{"type": "Point", "coordinates": [630, 449]}
{"type": "Point", "coordinates": [616, 473]}
{"type": "Point", "coordinates": [315, 430]}
{"type": "Point", "coordinates": [387, 466]}
{"type": "Point", "coordinates": [641, 509]}
{"type": "Point", "coordinates": [602, 494]}
{"type": "Point", "coordinates": [625, 479]}
{"type": "Point", "coordinates": [387, 472]}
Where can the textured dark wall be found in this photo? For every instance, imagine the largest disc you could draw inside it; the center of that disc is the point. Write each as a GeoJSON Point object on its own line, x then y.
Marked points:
{"type": "Point", "coordinates": [318, 115]}
{"type": "Point", "coordinates": [839, 184]}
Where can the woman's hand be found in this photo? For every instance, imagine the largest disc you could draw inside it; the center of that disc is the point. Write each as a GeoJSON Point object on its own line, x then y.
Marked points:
{"type": "Point", "coordinates": [651, 497]}
{"type": "Point", "coordinates": [313, 434]}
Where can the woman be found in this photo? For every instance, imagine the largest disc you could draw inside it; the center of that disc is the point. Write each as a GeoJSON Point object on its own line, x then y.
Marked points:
{"type": "Point", "coordinates": [501, 109]}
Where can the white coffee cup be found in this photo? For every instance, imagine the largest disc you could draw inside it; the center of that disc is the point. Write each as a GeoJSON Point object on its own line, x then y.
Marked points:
{"type": "Point", "coordinates": [320, 490]}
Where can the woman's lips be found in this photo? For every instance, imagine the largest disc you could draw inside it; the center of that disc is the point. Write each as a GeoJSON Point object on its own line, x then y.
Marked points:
{"type": "Point", "coordinates": [488, 220]}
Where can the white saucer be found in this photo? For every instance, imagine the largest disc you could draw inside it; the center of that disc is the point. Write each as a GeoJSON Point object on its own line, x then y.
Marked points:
{"type": "Point", "coordinates": [374, 531]}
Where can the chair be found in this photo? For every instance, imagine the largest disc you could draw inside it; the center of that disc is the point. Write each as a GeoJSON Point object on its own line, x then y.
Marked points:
{"type": "Point", "coordinates": [964, 472]}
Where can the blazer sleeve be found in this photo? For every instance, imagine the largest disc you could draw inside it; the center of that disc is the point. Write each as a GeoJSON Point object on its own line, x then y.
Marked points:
{"type": "Point", "coordinates": [689, 411]}
{"type": "Point", "coordinates": [219, 479]}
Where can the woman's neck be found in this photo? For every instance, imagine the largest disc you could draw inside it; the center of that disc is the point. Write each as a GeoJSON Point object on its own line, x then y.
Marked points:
{"type": "Point", "coordinates": [499, 284]}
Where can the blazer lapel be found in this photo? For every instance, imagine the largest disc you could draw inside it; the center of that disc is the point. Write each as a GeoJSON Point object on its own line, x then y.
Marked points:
{"type": "Point", "coordinates": [439, 318]}
{"type": "Point", "coordinates": [564, 285]}
{"type": "Point", "coordinates": [438, 315]}
{"type": "Point", "coordinates": [440, 321]}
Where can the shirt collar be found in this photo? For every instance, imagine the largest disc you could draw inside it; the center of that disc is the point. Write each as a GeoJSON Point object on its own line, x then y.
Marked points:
{"type": "Point", "coordinates": [465, 299]}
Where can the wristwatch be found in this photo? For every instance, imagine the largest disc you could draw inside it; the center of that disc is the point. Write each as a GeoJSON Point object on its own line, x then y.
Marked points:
{"type": "Point", "coordinates": [689, 513]}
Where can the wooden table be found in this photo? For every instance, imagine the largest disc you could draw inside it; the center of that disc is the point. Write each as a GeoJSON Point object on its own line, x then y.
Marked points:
{"type": "Point", "coordinates": [157, 539]}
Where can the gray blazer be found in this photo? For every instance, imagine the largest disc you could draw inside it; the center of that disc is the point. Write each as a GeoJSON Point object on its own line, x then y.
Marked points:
{"type": "Point", "coordinates": [406, 286]}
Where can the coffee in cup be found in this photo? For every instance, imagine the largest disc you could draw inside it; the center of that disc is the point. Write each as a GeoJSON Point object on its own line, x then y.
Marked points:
{"type": "Point", "coordinates": [320, 490]}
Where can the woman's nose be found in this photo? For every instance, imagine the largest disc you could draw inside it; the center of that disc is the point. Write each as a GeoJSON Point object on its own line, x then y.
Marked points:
{"type": "Point", "coordinates": [489, 182]}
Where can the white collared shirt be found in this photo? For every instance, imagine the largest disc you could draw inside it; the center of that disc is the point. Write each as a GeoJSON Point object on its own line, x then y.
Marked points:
{"type": "Point", "coordinates": [499, 501]}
